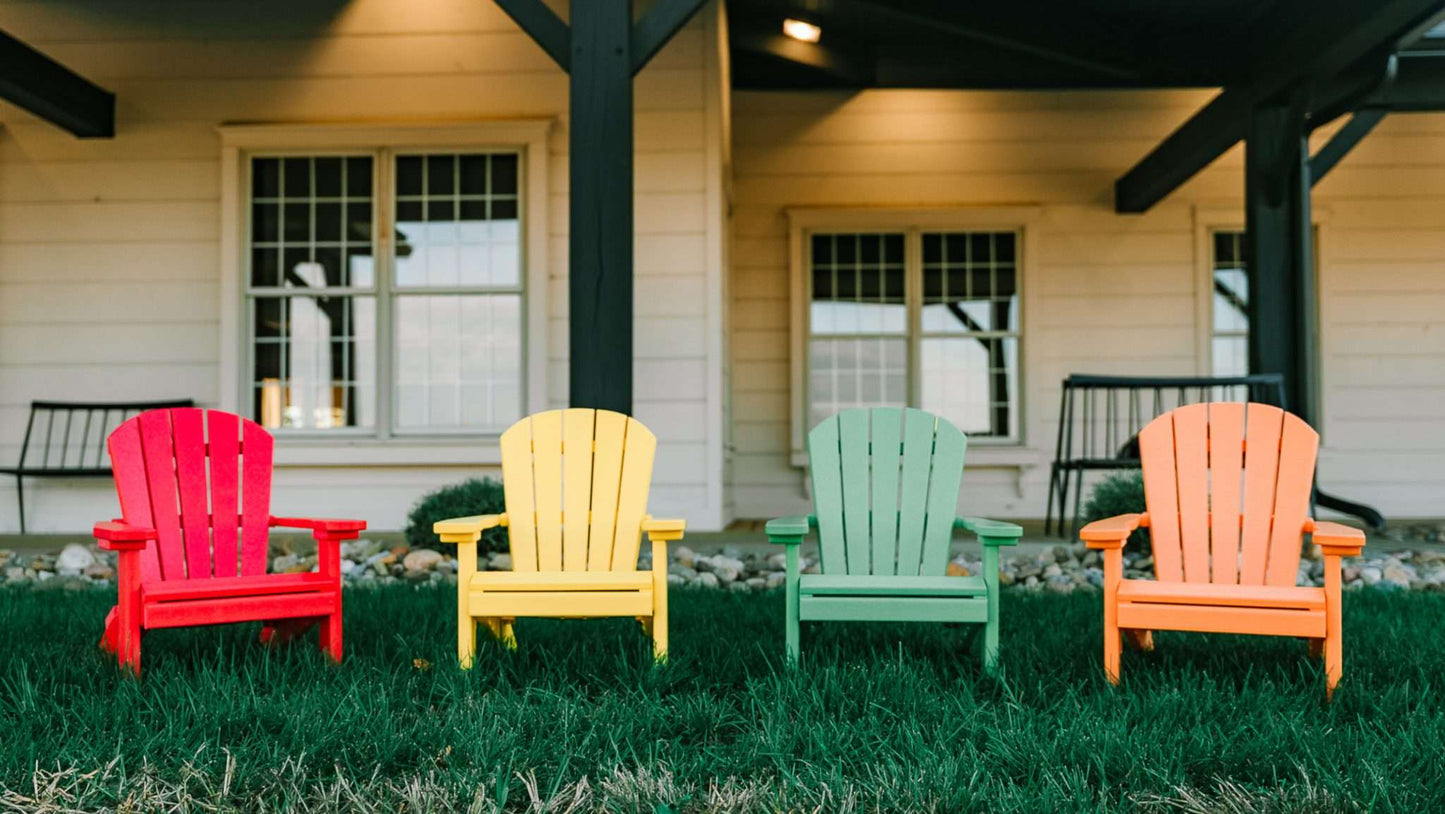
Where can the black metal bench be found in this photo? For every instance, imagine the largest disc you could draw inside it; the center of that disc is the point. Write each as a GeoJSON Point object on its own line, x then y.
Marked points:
{"type": "Point", "coordinates": [1100, 417]}
{"type": "Point", "coordinates": [66, 439]}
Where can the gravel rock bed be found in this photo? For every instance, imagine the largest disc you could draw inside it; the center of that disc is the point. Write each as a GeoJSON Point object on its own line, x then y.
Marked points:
{"type": "Point", "coordinates": [1058, 568]}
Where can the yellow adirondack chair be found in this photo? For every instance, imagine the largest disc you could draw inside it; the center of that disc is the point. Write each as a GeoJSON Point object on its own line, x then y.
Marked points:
{"type": "Point", "coordinates": [576, 486]}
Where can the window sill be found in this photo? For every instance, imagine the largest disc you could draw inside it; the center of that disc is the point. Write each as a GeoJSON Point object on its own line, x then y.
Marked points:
{"type": "Point", "coordinates": [476, 451]}
{"type": "Point", "coordinates": [977, 456]}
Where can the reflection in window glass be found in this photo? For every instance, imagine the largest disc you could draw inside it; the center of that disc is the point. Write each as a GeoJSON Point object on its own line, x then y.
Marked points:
{"type": "Point", "coordinates": [313, 346]}
{"type": "Point", "coordinates": [968, 351]}
{"type": "Point", "coordinates": [1230, 329]}
{"type": "Point", "coordinates": [859, 321]}
{"type": "Point", "coordinates": [458, 355]}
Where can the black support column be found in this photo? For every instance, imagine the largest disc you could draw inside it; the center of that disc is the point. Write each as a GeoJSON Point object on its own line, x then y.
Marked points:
{"type": "Point", "coordinates": [600, 253]}
{"type": "Point", "coordinates": [1279, 243]}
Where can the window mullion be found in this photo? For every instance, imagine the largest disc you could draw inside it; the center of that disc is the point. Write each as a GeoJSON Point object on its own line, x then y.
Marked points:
{"type": "Point", "coordinates": [383, 217]}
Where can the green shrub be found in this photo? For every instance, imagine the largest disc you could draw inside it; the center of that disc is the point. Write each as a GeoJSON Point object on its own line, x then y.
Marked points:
{"type": "Point", "coordinates": [1121, 493]}
{"type": "Point", "coordinates": [472, 496]}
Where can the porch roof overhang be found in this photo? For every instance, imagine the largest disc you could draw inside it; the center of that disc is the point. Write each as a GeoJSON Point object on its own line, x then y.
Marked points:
{"type": "Point", "coordinates": [1346, 56]}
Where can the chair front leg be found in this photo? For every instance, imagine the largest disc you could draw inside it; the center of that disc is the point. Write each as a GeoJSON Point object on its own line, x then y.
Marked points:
{"type": "Point", "coordinates": [128, 611]}
{"type": "Point", "coordinates": [659, 601]}
{"type": "Point", "coordinates": [790, 597]}
{"type": "Point", "coordinates": [328, 555]}
{"type": "Point", "coordinates": [991, 625]}
{"type": "Point", "coordinates": [1334, 648]}
{"type": "Point", "coordinates": [466, 625]}
{"type": "Point", "coordinates": [1113, 573]}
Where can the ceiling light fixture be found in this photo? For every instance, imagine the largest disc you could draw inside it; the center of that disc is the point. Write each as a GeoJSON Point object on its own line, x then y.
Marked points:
{"type": "Point", "coordinates": [802, 31]}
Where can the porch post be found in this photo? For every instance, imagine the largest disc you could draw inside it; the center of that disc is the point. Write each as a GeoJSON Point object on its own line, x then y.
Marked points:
{"type": "Point", "coordinates": [600, 253]}
{"type": "Point", "coordinates": [1279, 242]}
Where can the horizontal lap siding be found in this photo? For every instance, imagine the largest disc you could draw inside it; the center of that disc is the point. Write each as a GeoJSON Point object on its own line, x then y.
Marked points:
{"type": "Point", "coordinates": [109, 250]}
{"type": "Point", "coordinates": [1108, 293]}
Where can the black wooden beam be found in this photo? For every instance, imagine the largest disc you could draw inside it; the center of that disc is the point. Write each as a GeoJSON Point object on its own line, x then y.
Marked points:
{"type": "Point", "coordinates": [600, 257]}
{"type": "Point", "coordinates": [657, 26]}
{"type": "Point", "coordinates": [1344, 140]}
{"type": "Point", "coordinates": [1207, 134]}
{"type": "Point", "coordinates": [1278, 244]}
{"type": "Point", "coordinates": [544, 27]}
{"type": "Point", "coordinates": [1322, 47]}
{"type": "Point", "coordinates": [53, 92]}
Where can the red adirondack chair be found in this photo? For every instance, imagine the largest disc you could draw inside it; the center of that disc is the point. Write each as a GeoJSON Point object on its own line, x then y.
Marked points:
{"type": "Point", "coordinates": [195, 500]}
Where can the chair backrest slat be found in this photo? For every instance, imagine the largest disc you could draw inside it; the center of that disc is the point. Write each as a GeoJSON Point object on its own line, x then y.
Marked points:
{"type": "Point", "coordinates": [578, 427]}
{"type": "Point", "coordinates": [1261, 470]}
{"type": "Point", "coordinates": [160, 461]}
{"type": "Point", "coordinates": [181, 471]}
{"type": "Point", "coordinates": [885, 490]}
{"type": "Point", "coordinates": [190, 446]}
{"type": "Point", "coordinates": [1200, 462]}
{"type": "Point", "coordinates": [518, 492]}
{"type": "Point", "coordinates": [826, 466]}
{"type": "Point", "coordinates": [576, 484]}
{"type": "Point", "coordinates": [1226, 462]}
{"type": "Point", "coordinates": [547, 471]}
{"type": "Point", "coordinates": [639, 453]}
{"type": "Point", "coordinates": [1191, 462]}
{"type": "Point", "coordinates": [607, 460]}
{"type": "Point", "coordinates": [223, 433]}
{"type": "Point", "coordinates": [917, 460]}
{"type": "Point", "coordinates": [943, 483]}
{"type": "Point", "coordinates": [886, 445]}
{"type": "Point", "coordinates": [257, 450]}
{"type": "Point", "coordinates": [127, 460]}
{"type": "Point", "coordinates": [1299, 442]}
{"type": "Point", "coordinates": [1161, 490]}
{"type": "Point", "coordinates": [857, 480]}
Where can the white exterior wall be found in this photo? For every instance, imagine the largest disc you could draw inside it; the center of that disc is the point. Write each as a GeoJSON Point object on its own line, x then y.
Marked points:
{"type": "Point", "coordinates": [1104, 293]}
{"type": "Point", "coordinates": [111, 282]}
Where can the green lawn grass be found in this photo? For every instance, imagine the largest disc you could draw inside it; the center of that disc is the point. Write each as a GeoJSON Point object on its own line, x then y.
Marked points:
{"type": "Point", "coordinates": [877, 718]}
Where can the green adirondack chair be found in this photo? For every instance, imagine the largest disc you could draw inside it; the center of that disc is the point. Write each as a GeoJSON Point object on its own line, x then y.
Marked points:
{"type": "Point", "coordinates": [885, 487]}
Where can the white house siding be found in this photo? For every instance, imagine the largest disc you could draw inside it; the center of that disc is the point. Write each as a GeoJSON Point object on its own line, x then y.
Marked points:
{"type": "Point", "coordinates": [1107, 293]}
{"type": "Point", "coordinates": [110, 281]}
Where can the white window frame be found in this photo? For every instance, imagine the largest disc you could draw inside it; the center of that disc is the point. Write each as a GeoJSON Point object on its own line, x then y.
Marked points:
{"type": "Point", "coordinates": [381, 445]}
{"type": "Point", "coordinates": [804, 222]}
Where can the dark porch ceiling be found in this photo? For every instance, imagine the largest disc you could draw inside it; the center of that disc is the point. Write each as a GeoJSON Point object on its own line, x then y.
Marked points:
{"type": "Point", "coordinates": [1044, 44]}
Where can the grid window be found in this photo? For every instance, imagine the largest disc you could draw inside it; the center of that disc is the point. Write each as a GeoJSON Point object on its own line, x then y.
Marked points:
{"type": "Point", "coordinates": [440, 312]}
{"type": "Point", "coordinates": [940, 333]}
{"type": "Point", "coordinates": [1229, 329]}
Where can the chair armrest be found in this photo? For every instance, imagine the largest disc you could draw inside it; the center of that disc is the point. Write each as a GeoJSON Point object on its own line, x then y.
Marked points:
{"type": "Point", "coordinates": [661, 529]}
{"type": "Point", "coordinates": [1112, 532]}
{"type": "Point", "coordinates": [467, 529]}
{"type": "Point", "coordinates": [326, 525]}
{"type": "Point", "coordinates": [118, 535]}
{"type": "Point", "coordinates": [1336, 538]}
{"type": "Point", "coordinates": [990, 532]}
{"type": "Point", "coordinates": [789, 530]}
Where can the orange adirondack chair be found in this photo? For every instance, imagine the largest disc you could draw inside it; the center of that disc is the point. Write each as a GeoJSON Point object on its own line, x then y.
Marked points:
{"type": "Point", "coordinates": [195, 495]}
{"type": "Point", "coordinates": [1227, 486]}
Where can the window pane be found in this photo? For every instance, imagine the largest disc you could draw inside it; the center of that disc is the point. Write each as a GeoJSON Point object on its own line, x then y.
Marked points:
{"type": "Point", "coordinates": [863, 372]}
{"type": "Point", "coordinates": [310, 212]}
{"type": "Point", "coordinates": [457, 222]}
{"type": "Point", "coordinates": [314, 361]}
{"type": "Point", "coordinates": [858, 285]}
{"type": "Point", "coordinates": [1229, 345]}
{"type": "Point", "coordinates": [973, 382]}
{"type": "Point", "coordinates": [970, 283]}
{"type": "Point", "coordinates": [458, 362]}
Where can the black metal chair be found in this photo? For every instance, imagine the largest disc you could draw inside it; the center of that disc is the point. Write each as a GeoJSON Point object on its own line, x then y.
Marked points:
{"type": "Point", "coordinates": [1100, 418]}
{"type": "Point", "coordinates": [66, 439]}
